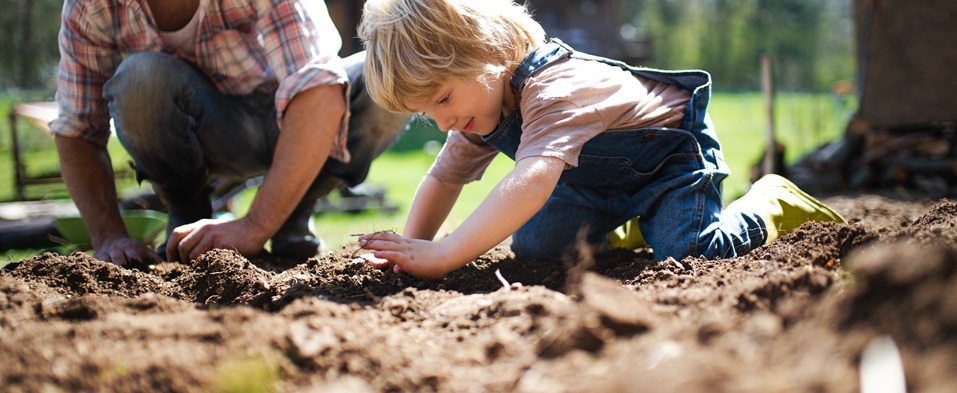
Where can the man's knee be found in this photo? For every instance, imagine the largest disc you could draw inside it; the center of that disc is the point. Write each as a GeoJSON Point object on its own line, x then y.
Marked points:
{"type": "Point", "coordinates": [377, 127]}
{"type": "Point", "coordinates": [141, 91]}
{"type": "Point", "coordinates": [142, 74]}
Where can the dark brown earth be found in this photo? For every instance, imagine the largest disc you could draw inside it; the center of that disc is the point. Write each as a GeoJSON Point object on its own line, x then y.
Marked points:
{"type": "Point", "coordinates": [793, 316]}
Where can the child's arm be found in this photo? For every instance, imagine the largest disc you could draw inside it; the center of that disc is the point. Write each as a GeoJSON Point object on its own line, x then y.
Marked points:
{"type": "Point", "coordinates": [513, 202]}
{"type": "Point", "coordinates": [433, 201]}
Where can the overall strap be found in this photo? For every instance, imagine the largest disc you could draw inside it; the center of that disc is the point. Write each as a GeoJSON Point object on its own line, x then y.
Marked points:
{"type": "Point", "coordinates": [691, 80]}
{"type": "Point", "coordinates": [537, 59]}
{"type": "Point", "coordinates": [555, 49]}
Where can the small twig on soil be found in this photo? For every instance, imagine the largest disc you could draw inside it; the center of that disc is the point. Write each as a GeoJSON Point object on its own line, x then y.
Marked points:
{"type": "Point", "coordinates": [356, 252]}
{"type": "Point", "coordinates": [372, 295]}
{"type": "Point", "coordinates": [63, 242]}
{"type": "Point", "coordinates": [551, 277]}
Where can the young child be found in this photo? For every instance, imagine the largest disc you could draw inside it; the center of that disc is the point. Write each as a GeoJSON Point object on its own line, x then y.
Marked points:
{"type": "Point", "coordinates": [596, 142]}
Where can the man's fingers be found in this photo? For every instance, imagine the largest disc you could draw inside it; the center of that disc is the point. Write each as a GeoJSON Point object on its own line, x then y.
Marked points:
{"type": "Point", "coordinates": [118, 257]}
{"type": "Point", "coordinates": [172, 246]}
{"type": "Point", "coordinates": [155, 258]}
{"type": "Point", "coordinates": [123, 252]}
{"type": "Point", "coordinates": [204, 244]}
{"type": "Point", "coordinates": [188, 243]}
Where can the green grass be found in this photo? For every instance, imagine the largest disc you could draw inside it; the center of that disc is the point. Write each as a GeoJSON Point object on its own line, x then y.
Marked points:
{"type": "Point", "coordinates": [802, 122]}
{"type": "Point", "coordinates": [38, 152]}
{"type": "Point", "coordinates": [400, 174]}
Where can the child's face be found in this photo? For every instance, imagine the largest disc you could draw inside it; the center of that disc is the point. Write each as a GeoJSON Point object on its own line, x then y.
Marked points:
{"type": "Point", "coordinates": [467, 106]}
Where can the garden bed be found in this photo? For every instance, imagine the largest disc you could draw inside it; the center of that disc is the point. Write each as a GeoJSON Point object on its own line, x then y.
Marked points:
{"type": "Point", "coordinates": [795, 315]}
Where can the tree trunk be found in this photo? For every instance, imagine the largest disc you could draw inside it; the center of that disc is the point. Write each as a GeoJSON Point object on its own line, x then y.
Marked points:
{"type": "Point", "coordinates": [28, 59]}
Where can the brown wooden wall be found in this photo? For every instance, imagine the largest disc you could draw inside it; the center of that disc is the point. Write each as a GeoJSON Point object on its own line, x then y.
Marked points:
{"type": "Point", "coordinates": [907, 54]}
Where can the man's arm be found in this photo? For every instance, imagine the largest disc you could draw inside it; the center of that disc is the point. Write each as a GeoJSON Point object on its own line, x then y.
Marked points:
{"type": "Point", "coordinates": [309, 126]}
{"type": "Point", "coordinates": [311, 106]}
{"type": "Point", "coordinates": [87, 57]}
{"type": "Point", "coordinates": [88, 174]}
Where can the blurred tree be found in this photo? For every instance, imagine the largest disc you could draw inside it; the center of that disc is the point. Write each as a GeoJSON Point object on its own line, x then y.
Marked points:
{"type": "Point", "coordinates": [28, 46]}
{"type": "Point", "coordinates": [28, 59]}
{"type": "Point", "coordinates": [811, 41]}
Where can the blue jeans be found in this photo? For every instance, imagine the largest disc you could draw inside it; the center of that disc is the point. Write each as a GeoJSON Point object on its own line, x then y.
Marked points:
{"type": "Point", "coordinates": [663, 178]}
{"type": "Point", "coordinates": [179, 129]}
{"type": "Point", "coordinates": [669, 177]}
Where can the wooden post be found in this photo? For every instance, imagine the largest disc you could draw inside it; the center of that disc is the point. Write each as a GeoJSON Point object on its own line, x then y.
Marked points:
{"type": "Point", "coordinates": [768, 88]}
{"type": "Point", "coordinates": [18, 172]}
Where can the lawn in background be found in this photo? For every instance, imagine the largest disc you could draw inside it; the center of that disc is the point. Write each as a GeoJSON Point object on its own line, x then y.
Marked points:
{"type": "Point", "coordinates": [802, 122]}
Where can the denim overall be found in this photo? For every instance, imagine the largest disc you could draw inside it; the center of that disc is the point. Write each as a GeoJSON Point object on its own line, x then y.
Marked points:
{"type": "Point", "coordinates": [669, 177]}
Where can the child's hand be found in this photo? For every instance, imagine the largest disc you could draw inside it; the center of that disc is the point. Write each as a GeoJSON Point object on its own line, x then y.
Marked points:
{"type": "Point", "coordinates": [420, 258]}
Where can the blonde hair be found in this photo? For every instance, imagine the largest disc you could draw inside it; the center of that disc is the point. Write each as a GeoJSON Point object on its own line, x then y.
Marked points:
{"type": "Point", "coordinates": [415, 45]}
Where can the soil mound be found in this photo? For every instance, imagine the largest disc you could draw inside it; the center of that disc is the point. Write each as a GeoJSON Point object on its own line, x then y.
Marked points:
{"type": "Point", "coordinates": [800, 314]}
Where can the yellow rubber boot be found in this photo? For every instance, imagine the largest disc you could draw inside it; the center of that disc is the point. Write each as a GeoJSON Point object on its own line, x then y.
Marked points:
{"type": "Point", "coordinates": [784, 207]}
{"type": "Point", "coordinates": [627, 236]}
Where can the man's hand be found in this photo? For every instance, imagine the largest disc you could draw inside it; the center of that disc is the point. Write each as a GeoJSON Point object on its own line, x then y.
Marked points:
{"type": "Point", "coordinates": [88, 174]}
{"type": "Point", "coordinates": [188, 242]}
{"type": "Point", "coordinates": [420, 258]}
{"type": "Point", "coordinates": [124, 250]}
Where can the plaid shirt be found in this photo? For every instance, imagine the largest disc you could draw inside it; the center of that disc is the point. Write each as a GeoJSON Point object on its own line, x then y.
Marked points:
{"type": "Point", "coordinates": [243, 46]}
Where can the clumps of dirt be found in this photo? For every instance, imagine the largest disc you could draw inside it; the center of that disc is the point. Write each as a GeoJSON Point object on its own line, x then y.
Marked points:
{"type": "Point", "coordinates": [18, 300]}
{"type": "Point", "coordinates": [821, 244]}
{"type": "Point", "coordinates": [916, 274]}
{"type": "Point", "coordinates": [607, 312]}
{"type": "Point", "coordinates": [91, 307]}
{"type": "Point", "coordinates": [795, 315]}
{"type": "Point", "coordinates": [883, 211]}
{"type": "Point", "coordinates": [916, 281]}
{"type": "Point", "coordinates": [339, 277]}
{"type": "Point", "coordinates": [226, 277]}
{"type": "Point", "coordinates": [81, 274]}
{"type": "Point", "coordinates": [905, 289]}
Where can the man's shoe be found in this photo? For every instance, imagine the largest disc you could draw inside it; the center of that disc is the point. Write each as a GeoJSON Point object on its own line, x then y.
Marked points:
{"type": "Point", "coordinates": [296, 238]}
{"type": "Point", "coordinates": [297, 248]}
